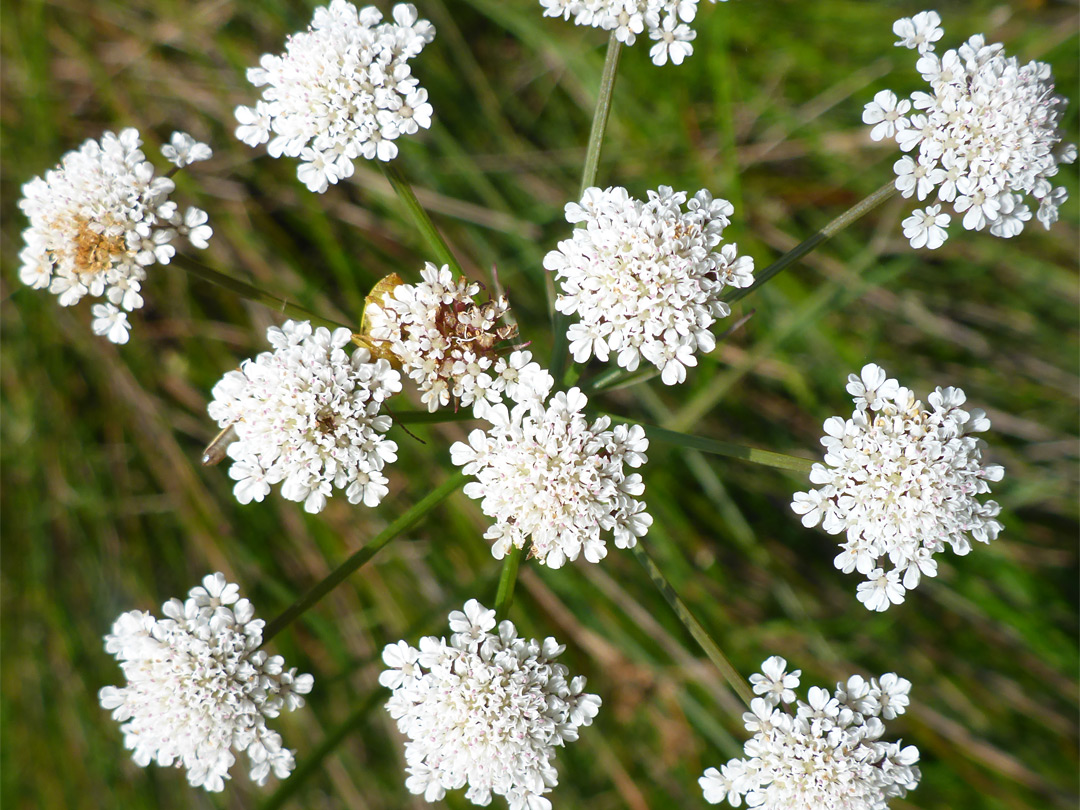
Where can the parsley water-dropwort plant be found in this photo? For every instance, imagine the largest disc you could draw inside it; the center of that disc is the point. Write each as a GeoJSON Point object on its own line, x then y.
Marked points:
{"type": "Point", "coordinates": [494, 356]}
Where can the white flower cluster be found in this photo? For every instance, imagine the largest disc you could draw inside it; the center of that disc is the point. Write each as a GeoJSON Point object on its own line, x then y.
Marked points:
{"type": "Point", "coordinates": [828, 755]}
{"type": "Point", "coordinates": [645, 278]}
{"type": "Point", "coordinates": [342, 90]}
{"type": "Point", "coordinates": [985, 136]}
{"type": "Point", "coordinates": [546, 475]}
{"type": "Point", "coordinates": [449, 345]}
{"type": "Point", "coordinates": [901, 482]}
{"type": "Point", "coordinates": [99, 219]}
{"type": "Point", "coordinates": [199, 688]}
{"type": "Point", "coordinates": [486, 710]}
{"type": "Point", "coordinates": [666, 21]}
{"type": "Point", "coordinates": [306, 415]}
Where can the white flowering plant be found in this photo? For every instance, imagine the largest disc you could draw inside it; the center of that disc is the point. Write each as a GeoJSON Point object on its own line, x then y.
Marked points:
{"type": "Point", "coordinates": [522, 360]}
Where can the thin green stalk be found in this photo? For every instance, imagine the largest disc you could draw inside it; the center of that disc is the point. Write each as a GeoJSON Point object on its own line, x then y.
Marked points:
{"type": "Point", "coordinates": [426, 418]}
{"type": "Point", "coordinates": [420, 216]}
{"type": "Point", "coordinates": [313, 761]}
{"type": "Point", "coordinates": [251, 292]}
{"type": "Point", "coordinates": [765, 457]}
{"type": "Point", "coordinates": [711, 648]}
{"type": "Point", "coordinates": [855, 212]}
{"type": "Point", "coordinates": [504, 597]}
{"type": "Point", "coordinates": [588, 178]}
{"type": "Point", "coordinates": [600, 115]}
{"type": "Point", "coordinates": [410, 518]}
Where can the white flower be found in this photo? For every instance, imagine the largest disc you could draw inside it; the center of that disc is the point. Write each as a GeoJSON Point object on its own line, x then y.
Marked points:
{"type": "Point", "coordinates": [199, 688]}
{"type": "Point", "coordinates": [884, 111]}
{"type": "Point", "coordinates": [307, 416]}
{"type": "Point", "coordinates": [775, 680]}
{"type": "Point", "coordinates": [900, 482]}
{"type": "Point", "coordinates": [485, 710]}
{"type": "Point", "coordinates": [827, 755]}
{"type": "Point", "coordinates": [985, 136]}
{"type": "Point", "coordinates": [110, 322]}
{"type": "Point", "coordinates": [645, 278]}
{"type": "Point", "coordinates": [448, 344]}
{"type": "Point", "coordinates": [343, 89]}
{"type": "Point", "coordinates": [97, 221]}
{"type": "Point", "coordinates": [183, 150]}
{"type": "Point", "coordinates": [926, 227]}
{"type": "Point", "coordinates": [664, 19]}
{"type": "Point", "coordinates": [919, 32]}
{"type": "Point", "coordinates": [546, 475]}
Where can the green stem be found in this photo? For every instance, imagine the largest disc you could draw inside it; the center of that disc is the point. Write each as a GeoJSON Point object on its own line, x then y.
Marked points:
{"type": "Point", "coordinates": [588, 178]}
{"type": "Point", "coordinates": [765, 457]}
{"type": "Point", "coordinates": [426, 418]}
{"type": "Point", "coordinates": [504, 597]}
{"type": "Point", "coordinates": [711, 648]}
{"type": "Point", "coordinates": [251, 292]}
{"type": "Point", "coordinates": [830, 230]}
{"type": "Point", "coordinates": [419, 216]}
{"type": "Point", "coordinates": [600, 114]}
{"type": "Point", "coordinates": [339, 574]}
{"type": "Point", "coordinates": [309, 764]}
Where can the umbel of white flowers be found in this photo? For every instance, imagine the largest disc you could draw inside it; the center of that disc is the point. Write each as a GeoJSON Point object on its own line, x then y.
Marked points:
{"type": "Point", "coordinates": [828, 755]}
{"type": "Point", "coordinates": [199, 688]}
{"type": "Point", "coordinates": [341, 91]}
{"type": "Point", "coordinates": [485, 710]}
{"type": "Point", "coordinates": [306, 415]}
{"type": "Point", "coordinates": [100, 218]}
{"type": "Point", "coordinates": [448, 344]}
{"type": "Point", "coordinates": [645, 278]}
{"type": "Point", "coordinates": [551, 479]}
{"type": "Point", "coordinates": [666, 21]}
{"type": "Point", "coordinates": [987, 134]}
{"type": "Point", "coordinates": [900, 481]}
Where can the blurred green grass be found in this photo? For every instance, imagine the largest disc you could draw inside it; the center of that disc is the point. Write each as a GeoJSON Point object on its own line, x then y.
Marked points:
{"type": "Point", "coordinates": [106, 509]}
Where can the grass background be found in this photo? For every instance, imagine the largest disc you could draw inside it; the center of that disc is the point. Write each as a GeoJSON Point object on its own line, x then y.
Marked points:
{"type": "Point", "coordinates": [106, 509]}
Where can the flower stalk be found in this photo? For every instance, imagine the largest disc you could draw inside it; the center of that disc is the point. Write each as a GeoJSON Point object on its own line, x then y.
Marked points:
{"type": "Point", "coordinates": [855, 212]}
{"type": "Point", "coordinates": [767, 458]}
{"type": "Point", "coordinates": [588, 178]}
{"type": "Point", "coordinates": [504, 596]}
{"type": "Point", "coordinates": [420, 217]}
{"type": "Point", "coordinates": [712, 649]}
{"type": "Point", "coordinates": [407, 520]}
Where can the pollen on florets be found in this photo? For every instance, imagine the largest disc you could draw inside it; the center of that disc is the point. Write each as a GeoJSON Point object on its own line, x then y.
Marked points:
{"type": "Point", "coordinates": [99, 219]}
{"type": "Point", "coordinates": [452, 347]}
